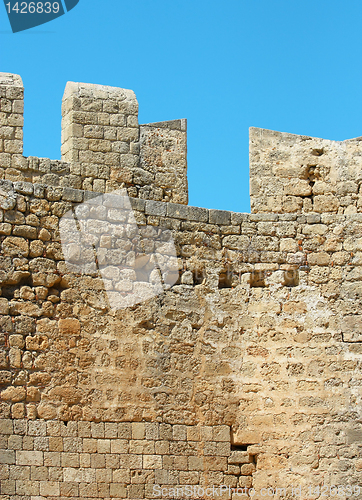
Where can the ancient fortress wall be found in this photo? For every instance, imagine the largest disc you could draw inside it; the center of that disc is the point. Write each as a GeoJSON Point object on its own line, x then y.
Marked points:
{"type": "Point", "coordinates": [245, 371]}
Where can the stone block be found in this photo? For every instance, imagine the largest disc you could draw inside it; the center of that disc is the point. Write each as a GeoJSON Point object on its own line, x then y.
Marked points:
{"type": "Point", "coordinates": [69, 490]}
{"type": "Point", "coordinates": [5, 228]}
{"type": "Point", "coordinates": [178, 211]}
{"type": "Point", "coordinates": [214, 463]}
{"type": "Point", "coordinates": [223, 449]}
{"type": "Point", "coordinates": [70, 459]}
{"type": "Point", "coordinates": [84, 429]}
{"type": "Point", "coordinates": [221, 433]}
{"type": "Point", "coordinates": [112, 461]}
{"type": "Point", "coordinates": [52, 459]}
{"type": "Point", "coordinates": [7, 487]}
{"type": "Point", "coordinates": [98, 461]}
{"type": "Point", "coordinates": [69, 326]}
{"type": "Point", "coordinates": [29, 458]}
{"type": "Point", "coordinates": [90, 445]}
{"type": "Point", "coordinates": [104, 476]}
{"type": "Point", "coordinates": [354, 436]}
{"type": "Point", "coordinates": [162, 447]}
{"type": "Point", "coordinates": [72, 444]}
{"type": "Point", "coordinates": [20, 426]}
{"type": "Point", "coordinates": [138, 430]}
{"type": "Point", "coordinates": [247, 469]}
{"type": "Point", "coordinates": [245, 437]}
{"type": "Point", "coordinates": [103, 446]}
{"type": "Point", "coordinates": [84, 459]}
{"type": "Point", "coordinates": [155, 208]}
{"type": "Point", "coordinates": [24, 187]}
{"type": "Point", "coordinates": [7, 457]}
{"type": "Point", "coordinates": [221, 217]}
{"type": "Point", "coordinates": [110, 430]}
{"type": "Point", "coordinates": [37, 428]}
{"type": "Point", "coordinates": [79, 475]}
{"type": "Point", "coordinates": [6, 426]}
{"type": "Point", "coordinates": [151, 430]}
{"type": "Point", "coordinates": [137, 204]}
{"type": "Point", "coordinates": [352, 328]}
{"type": "Point", "coordinates": [41, 443]}
{"type": "Point", "coordinates": [239, 457]}
{"type": "Point", "coordinates": [206, 433]}
{"type": "Point", "coordinates": [70, 194]}
{"type": "Point", "coordinates": [179, 432]}
{"type": "Point", "coordinates": [119, 446]}
{"type": "Point", "coordinates": [193, 433]}
{"type": "Point", "coordinates": [122, 476]}
{"type": "Point", "coordinates": [125, 430]}
{"type": "Point", "coordinates": [196, 463]}
{"type": "Point", "coordinates": [118, 490]}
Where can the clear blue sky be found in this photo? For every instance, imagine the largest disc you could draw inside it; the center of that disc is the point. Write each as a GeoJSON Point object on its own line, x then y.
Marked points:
{"type": "Point", "coordinates": [284, 65]}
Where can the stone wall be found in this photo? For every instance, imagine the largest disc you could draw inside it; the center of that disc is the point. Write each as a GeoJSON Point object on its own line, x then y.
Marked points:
{"type": "Point", "coordinates": [163, 154]}
{"type": "Point", "coordinates": [103, 147]}
{"type": "Point", "coordinates": [117, 460]}
{"type": "Point", "coordinates": [294, 173]}
{"type": "Point", "coordinates": [243, 371]}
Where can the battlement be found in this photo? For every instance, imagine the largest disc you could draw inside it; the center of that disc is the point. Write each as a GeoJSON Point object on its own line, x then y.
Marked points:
{"type": "Point", "coordinates": [103, 146]}
{"type": "Point", "coordinates": [295, 173]}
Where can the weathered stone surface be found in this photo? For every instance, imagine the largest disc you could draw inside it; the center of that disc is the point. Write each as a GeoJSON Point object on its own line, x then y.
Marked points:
{"type": "Point", "coordinates": [246, 363]}
{"type": "Point", "coordinates": [292, 173]}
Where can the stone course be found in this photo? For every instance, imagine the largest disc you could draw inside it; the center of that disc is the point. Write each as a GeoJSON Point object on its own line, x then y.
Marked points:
{"type": "Point", "coordinates": [246, 371]}
{"type": "Point", "coordinates": [115, 460]}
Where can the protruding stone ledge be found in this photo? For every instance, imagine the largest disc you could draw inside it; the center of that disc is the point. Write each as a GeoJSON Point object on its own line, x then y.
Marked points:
{"type": "Point", "coordinates": [187, 214]}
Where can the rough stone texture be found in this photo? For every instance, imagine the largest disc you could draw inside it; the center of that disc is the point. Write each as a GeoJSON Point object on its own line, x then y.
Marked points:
{"type": "Point", "coordinates": [294, 173]}
{"type": "Point", "coordinates": [163, 154]}
{"type": "Point", "coordinates": [103, 146]}
{"type": "Point", "coordinates": [246, 372]}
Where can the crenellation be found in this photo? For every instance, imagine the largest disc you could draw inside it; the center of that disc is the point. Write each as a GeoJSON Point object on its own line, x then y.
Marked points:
{"type": "Point", "coordinates": [163, 152]}
{"type": "Point", "coordinates": [243, 370]}
{"type": "Point", "coordinates": [291, 173]}
{"type": "Point", "coordinates": [101, 146]}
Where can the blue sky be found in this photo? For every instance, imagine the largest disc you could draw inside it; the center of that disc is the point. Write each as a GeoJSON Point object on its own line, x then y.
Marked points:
{"type": "Point", "coordinates": [284, 65]}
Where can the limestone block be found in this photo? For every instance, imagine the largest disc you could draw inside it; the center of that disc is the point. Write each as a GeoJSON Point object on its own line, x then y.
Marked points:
{"type": "Point", "coordinates": [7, 456]}
{"type": "Point", "coordinates": [13, 394]}
{"type": "Point", "coordinates": [6, 426]}
{"type": "Point", "coordinates": [69, 326]}
{"type": "Point", "coordinates": [29, 458]}
{"type": "Point", "coordinates": [152, 461]}
{"type": "Point", "coordinates": [352, 328]}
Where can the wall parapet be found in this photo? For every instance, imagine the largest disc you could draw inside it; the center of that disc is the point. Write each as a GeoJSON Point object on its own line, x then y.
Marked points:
{"type": "Point", "coordinates": [103, 146]}
{"type": "Point", "coordinates": [294, 173]}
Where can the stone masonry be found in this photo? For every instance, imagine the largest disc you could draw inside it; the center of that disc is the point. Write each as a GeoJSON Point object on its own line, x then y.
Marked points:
{"type": "Point", "coordinates": [245, 372]}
